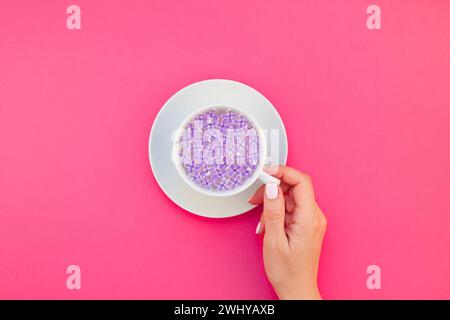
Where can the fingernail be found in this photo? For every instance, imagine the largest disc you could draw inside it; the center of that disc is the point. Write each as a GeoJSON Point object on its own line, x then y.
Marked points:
{"type": "Point", "coordinates": [250, 198]}
{"type": "Point", "coordinates": [271, 191]}
{"type": "Point", "coordinates": [271, 169]}
{"type": "Point", "coordinates": [258, 228]}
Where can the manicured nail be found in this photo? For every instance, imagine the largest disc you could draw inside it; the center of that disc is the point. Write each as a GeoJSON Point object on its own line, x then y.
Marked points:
{"type": "Point", "coordinates": [271, 191]}
{"type": "Point", "coordinates": [271, 169]}
{"type": "Point", "coordinates": [258, 228]}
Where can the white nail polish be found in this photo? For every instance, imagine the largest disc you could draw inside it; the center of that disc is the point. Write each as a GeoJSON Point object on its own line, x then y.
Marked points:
{"type": "Point", "coordinates": [258, 228]}
{"type": "Point", "coordinates": [271, 191]}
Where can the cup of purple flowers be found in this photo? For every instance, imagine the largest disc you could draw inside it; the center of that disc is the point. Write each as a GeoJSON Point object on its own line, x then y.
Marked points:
{"type": "Point", "coordinates": [220, 151]}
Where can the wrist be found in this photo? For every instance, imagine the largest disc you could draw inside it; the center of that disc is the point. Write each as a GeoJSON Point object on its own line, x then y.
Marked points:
{"type": "Point", "coordinates": [304, 293]}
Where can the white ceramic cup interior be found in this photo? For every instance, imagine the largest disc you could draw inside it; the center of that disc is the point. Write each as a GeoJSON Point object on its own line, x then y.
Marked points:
{"type": "Point", "coordinates": [258, 173]}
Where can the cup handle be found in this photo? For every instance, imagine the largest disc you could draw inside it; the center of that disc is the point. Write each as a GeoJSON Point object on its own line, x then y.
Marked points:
{"type": "Point", "coordinates": [267, 178]}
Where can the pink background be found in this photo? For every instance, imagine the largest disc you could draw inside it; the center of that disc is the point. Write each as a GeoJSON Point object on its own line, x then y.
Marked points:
{"type": "Point", "coordinates": [367, 115]}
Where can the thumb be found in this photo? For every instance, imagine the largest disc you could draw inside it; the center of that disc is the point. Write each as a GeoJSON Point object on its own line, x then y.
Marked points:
{"type": "Point", "coordinates": [274, 212]}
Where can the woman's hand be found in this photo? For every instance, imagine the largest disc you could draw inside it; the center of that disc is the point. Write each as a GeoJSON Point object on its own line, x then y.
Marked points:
{"type": "Point", "coordinates": [293, 227]}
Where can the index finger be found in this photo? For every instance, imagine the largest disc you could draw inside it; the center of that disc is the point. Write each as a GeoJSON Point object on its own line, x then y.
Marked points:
{"type": "Point", "coordinates": [300, 182]}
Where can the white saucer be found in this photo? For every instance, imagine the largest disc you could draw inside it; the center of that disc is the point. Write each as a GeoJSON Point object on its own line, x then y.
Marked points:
{"type": "Point", "coordinates": [198, 95]}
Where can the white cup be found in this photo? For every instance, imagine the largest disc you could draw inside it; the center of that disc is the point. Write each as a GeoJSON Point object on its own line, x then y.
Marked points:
{"type": "Point", "coordinates": [258, 173]}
